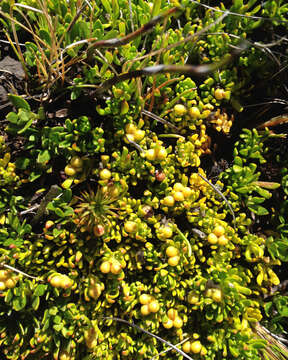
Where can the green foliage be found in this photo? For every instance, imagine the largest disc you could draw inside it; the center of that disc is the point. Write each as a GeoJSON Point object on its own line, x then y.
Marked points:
{"type": "Point", "coordinates": [279, 308]}
{"type": "Point", "coordinates": [243, 178]}
{"type": "Point", "coordinates": [15, 231]}
{"type": "Point", "coordinates": [127, 225]}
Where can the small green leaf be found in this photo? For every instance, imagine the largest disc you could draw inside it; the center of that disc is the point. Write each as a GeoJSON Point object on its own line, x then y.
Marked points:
{"type": "Point", "coordinates": [284, 312]}
{"type": "Point", "coordinates": [36, 302]}
{"type": "Point", "coordinates": [45, 36]}
{"type": "Point", "coordinates": [57, 319]}
{"type": "Point", "coordinates": [237, 169]}
{"type": "Point", "coordinates": [156, 7]}
{"type": "Point", "coordinates": [40, 290]}
{"type": "Point", "coordinates": [243, 290]}
{"type": "Point", "coordinates": [69, 125]}
{"type": "Point", "coordinates": [259, 210]}
{"type": "Point", "coordinates": [11, 241]}
{"type": "Point", "coordinates": [9, 296]}
{"type": "Point", "coordinates": [109, 57]}
{"type": "Point", "coordinates": [238, 161]}
{"type": "Point", "coordinates": [115, 13]}
{"type": "Point", "coordinates": [43, 157]}
{"type": "Point", "coordinates": [67, 195]}
{"type": "Point", "coordinates": [67, 183]}
{"type": "Point", "coordinates": [56, 232]}
{"type": "Point", "coordinates": [243, 189]}
{"type": "Point", "coordinates": [282, 250]}
{"type": "Point", "coordinates": [122, 28]}
{"type": "Point", "coordinates": [46, 325]}
{"type": "Point", "coordinates": [53, 310]}
{"type": "Point", "coordinates": [99, 27]}
{"type": "Point", "coordinates": [59, 212]}
{"type": "Point", "coordinates": [267, 307]}
{"type": "Point", "coordinates": [268, 185]}
{"type": "Point", "coordinates": [237, 4]}
{"type": "Point", "coordinates": [257, 343]}
{"type": "Point", "coordinates": [19, 102]}
{"type": "Point", "coordinates": [244, 152]}
{"type": "Point", "coordinates": [107, 6]}
{"type": "Point", "coordinates": [22, 163]}
{"type": "Point", "coordinates": [13, 118]}
{"type": "Point", "coordinates": [255, 200]}
{"type": "Point", "coordinates": [34, 175]}
{"type": "Point", "coordinates": [58, 327]}
{"type": "Point", "coordinates": [68, 212]}
{"type": "Point", "coordinates": [262, 192]}
{"type": "Point", "coordinates": [110, 34]}
{"type": "Point", "coordinates": [31, 46]}
{"type": "Point", "coordinates": [19, 303]}
{"type": "Point", "coordinates": [27, 125]}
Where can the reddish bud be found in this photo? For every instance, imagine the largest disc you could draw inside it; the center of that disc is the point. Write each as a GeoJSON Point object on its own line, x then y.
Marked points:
{"type": "Point", "coordinates": [159, 175]}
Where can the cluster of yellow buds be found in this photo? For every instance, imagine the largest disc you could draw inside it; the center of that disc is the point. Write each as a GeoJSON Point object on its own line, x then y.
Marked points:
{"type": "Point", "coordinates": [58, 280]}
{"type": "Point", "coordinates": [179, 193]}
{"type": "Point", "coordinates": [221, 94]}
{"type": "Point", "coordinates": [7, 170]}
{"type": "Point", "coordinates": [192, 346]}
{"type": "Point", "coordinates": [95, 288]}
{"type": "Point", "coordinates": [173, 255]}
{"type": "Point", "coordinates": [75, 166]}
{"type": "Point", "coordinates": [198, 184]}
{"type": "Point", "coordinates": [149, 304]}
{"type": "Point", "coordinates": [158, 153]}
{"type": "Point", "coordinates": [217, 236]}
{"type": "Point", "coordinates": [112, 266]}
{"type": "Point", "coordinates": [91, 335]}
{"type": "Point", "coordinates": [132, 133]}
{"type": "Point", "coordinates": [7, 280]}
{"type": "Point", "coordinates": [193, 110]}
{"type": "Point", "coordinates": [74, 171]}
{"type": "Point", "coordinates": [215, 294]}
{"type": "Point", "coordinates": [198, 139]}
{"type": "Point", "coordinates": [164, 232]}
{"type": "Point", "coordinates": [174, 320]}
{"type": "Point", "coordinates": [222, 122]}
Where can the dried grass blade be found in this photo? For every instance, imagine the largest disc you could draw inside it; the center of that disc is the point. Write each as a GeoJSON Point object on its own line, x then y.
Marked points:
{"type": "Point", "coordinates": [159, 119]}
{"type": "Point", "coordinates": [222, 195]}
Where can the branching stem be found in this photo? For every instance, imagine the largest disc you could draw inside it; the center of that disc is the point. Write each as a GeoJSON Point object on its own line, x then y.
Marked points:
{"type": "Point", "coordinates": [19, 271]}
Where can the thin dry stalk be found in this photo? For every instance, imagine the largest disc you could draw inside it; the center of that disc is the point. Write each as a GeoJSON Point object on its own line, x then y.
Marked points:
{"type": "Point", "coordinates": [40, 64]}
{"type": "Point", "coordinates": [189, 38]}
{"type": "Point", "coordinates": [13, 43]}
{"type": "Point", "coordinates": [275, 349]}
{"type": "Point", "coordinates": [166, 83]}
{"type": "Point", "coordinates": [6, 266]}
{"type": "Point", "coordinates": [222, 195]}
{"type": "Point", "coordinates": [199, 70]}
{"type": "Point", "coordinates": [167, 350]}
{"type": "Point", "coordinates": [237, 14]}
{"type": "Point", "coordinates": [73, 21]}
{"type": "Point", "coordinates": [13, 20]}
{"type": "Point", "coordinates": [162, 37]}
{"type": "Point", "coordinates": [19, 51]}
{"type": "Point", "coordinates": [116, 42]}
{"type": "Point", "coordinates": [181, 352]}
{"type": "Point", "coordinates": [159, 119]}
